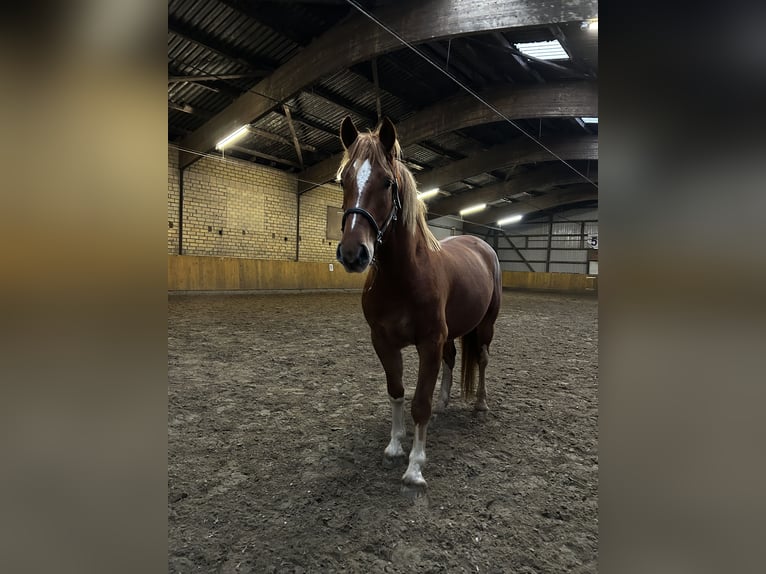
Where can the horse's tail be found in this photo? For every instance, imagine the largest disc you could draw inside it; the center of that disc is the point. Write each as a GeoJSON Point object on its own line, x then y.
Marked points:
{"type": "Point", "coordinates": [469, 361]}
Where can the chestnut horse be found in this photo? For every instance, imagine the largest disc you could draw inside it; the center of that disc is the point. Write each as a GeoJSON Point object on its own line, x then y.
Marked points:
{"type": "Point", "coordinates": [419, 291]}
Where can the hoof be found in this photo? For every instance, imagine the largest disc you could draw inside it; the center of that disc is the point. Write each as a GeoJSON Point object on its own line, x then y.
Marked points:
{"type": "Point", "coordinates": [414, 479]}
{"type": "Point", "coordinates": [394, 450]}
{"type": "Point", "coordinates": [480, 406]}
{"type": "Point", "coordinates": [413, 492]}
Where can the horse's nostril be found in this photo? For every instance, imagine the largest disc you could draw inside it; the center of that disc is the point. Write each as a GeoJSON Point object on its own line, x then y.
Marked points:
{"type": "Point", "coordinates": [364, 255]}
{"type": "Point", "coordinates": [353, 257]}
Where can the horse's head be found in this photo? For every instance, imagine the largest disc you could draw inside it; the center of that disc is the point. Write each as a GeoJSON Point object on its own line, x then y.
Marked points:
{"type": "Point", "coordinates": [370, 192]}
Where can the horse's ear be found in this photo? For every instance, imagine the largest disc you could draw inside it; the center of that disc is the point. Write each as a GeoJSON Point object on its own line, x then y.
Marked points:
{"type": "Point", "coordinates": [348, 132]}
{"type": "Point", "coordinates": [387, 135]}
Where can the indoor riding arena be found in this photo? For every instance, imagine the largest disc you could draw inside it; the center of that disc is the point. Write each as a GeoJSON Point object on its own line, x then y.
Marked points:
{"type": "Point", "coordinates": [279, 375]}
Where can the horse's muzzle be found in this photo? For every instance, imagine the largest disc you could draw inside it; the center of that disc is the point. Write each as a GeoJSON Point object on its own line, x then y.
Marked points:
{"type": "Point", "coordinates": [354, 258]}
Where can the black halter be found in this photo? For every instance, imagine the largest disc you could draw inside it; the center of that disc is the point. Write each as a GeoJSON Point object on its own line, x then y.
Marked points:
{"type": "Point", "coordinates": [396, 205]}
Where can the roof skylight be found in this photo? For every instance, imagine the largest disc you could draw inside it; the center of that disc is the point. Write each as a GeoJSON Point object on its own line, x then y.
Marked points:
{"type": "Point", "coordinates": [551, 50]}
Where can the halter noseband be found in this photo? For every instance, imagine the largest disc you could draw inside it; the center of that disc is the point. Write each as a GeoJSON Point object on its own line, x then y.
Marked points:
{"type": "Point", "coordinates": [396, 205]}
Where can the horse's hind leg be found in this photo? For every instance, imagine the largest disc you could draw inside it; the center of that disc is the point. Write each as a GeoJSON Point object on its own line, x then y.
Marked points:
{"type": "Point", "coordinates": [485, 331]}
{"type": "Point", "coordinates": [481, 392]}
{"type": "Point", "coordinates": [448, 364]}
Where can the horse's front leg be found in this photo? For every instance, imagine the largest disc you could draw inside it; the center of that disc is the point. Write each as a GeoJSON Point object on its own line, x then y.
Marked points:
{"type": "Point", "coordinates": [391, 358]}
{"type": "Point", "coordinates": [430, 354]}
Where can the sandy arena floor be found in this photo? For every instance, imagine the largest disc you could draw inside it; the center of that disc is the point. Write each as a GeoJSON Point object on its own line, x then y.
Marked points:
{"type": "Point", "coordinates": [278, 417]}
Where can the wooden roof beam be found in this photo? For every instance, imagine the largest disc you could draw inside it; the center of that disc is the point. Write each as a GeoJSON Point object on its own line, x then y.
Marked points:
{"type": "Point", "coordinates": [187, 109]}
{"type": "Point", "coordinates": [452, 64]}
{"type": "Point", "coordinates": [507, 155]}
{"type": "Point", "coordinates": [358, 39]}
{"type": "Point", "coordinates": [341, 102]}
{"type": "Point", "coordinates": [478, 61]}
{"type": "Point", "coordinates": [301, 119]}
{"type": "Point", "coordinates": [547, 176]}
{"type": "Point", "coordinates": [566, 196]}
{"type": "Point", "coordinates": [254, 153]}
{"type": "Point", "coordinates": [296, 142]}
{"type": "Point", "coordinates": [211, 82]}
{"type": "Point", "coordinates": [560, 99]}
{"type": "Point", "coordinates": [439, 150]}
{"type": "Point", "coordinates": [576, 60]}
{"type": "Point", "coordinates": [277, 138]}
{"type": "Point", "coordinates": [203, 78]}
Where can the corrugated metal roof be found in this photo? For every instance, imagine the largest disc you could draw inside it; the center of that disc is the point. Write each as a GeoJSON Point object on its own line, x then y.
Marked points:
{"type": "Point", "coordinates": [421, 154]}
{"type": "Point", "coordinates": [235, 37]}
{"type": "Point", "coordinates": [359, 91]}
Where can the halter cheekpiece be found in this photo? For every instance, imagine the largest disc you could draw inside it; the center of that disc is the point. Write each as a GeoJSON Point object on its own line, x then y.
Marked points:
{"type": "Point", "coordinates": [396, 205]}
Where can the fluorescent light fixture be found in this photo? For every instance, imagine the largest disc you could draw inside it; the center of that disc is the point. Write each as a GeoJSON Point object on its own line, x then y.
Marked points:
{"type": "Point", "coordinates": [473, 208]}
{"type": "Point", "coordinates": [551, 50]}
{"type": "Point", "coordinates": [232, 137]}
{"type": "Point", "coordinates": [511, 219]}
{"type": "Point", "coordinates": [590, 120]}
{"type": "Point", "coordinates": [428, 193]}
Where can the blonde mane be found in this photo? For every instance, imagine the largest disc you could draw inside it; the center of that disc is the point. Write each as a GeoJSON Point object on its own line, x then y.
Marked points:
{"type": "Point", "coordinates": [413, 213]}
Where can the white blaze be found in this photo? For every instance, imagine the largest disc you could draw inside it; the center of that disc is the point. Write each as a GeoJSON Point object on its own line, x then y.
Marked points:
{"type": "Point", "coordinates": [362, 175]}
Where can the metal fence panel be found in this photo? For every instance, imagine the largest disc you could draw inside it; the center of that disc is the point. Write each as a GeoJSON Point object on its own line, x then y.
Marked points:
{"type": "Point", "coordinates": [514, 266]}
{"type": "Point", "coordinates": [568, 268]}
{"type": "Point", "coordinates": [579, 256]}
{"type": "Point", "coordinates": [508, 255]}
{"type": "Point", "coordinates": [566, 228]}
{"type": "Point", "coordinates": [566, 243]}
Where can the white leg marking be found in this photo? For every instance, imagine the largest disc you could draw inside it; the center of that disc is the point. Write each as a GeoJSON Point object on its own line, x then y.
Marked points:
{"type": "Point", "coordinates": [413, 475]}
{"type": "Point", "coordinates": [444, 390]}
{"type": "Point", "coordinates": [394, 448]}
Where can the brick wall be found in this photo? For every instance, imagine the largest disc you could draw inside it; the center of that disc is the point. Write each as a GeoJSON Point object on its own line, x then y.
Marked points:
{"type": "Point", "coordinates": [314, 243]}
{"type": "Point", "coordinates": [239, 209]}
